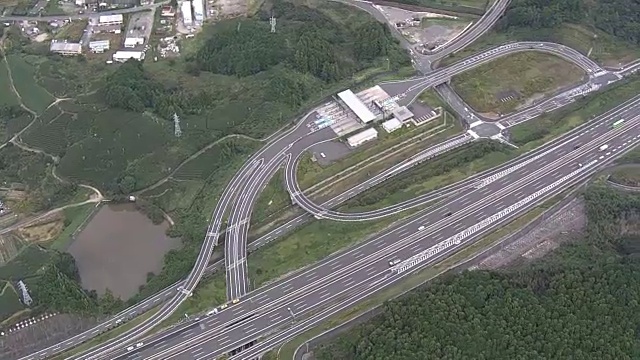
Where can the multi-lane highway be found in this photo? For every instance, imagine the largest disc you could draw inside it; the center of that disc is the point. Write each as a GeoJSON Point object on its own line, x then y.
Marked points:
{"type": "Point", "coordinates": [345, 277]}
{"type": "Point", "coordinates": [238, 199]}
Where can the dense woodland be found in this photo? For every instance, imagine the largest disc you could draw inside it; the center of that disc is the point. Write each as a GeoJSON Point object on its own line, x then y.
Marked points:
{"type": "Point", "coordinates": [581, 302]}
{"type": "Point", "coordinates": [620, 18]}
{"type": "Point", "coordinates": [307, 43]}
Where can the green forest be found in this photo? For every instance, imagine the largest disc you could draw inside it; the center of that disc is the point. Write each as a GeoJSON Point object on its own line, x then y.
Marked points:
{"type": "Point", "coordinates": [580, 302]}
{"type": "Point", "coordinates": [616, 17]}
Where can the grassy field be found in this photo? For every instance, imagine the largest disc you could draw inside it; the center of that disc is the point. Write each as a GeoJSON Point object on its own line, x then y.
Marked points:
{"type": "Point", "coordinates": [11, 126]}
{"type": "Point", "coordinates": [72, 31]}
{"type": "Point", "coordinates": [33, 95]}
{"type": "Point", "coordinates": [10, 246]}
{"type": "Point", "coordinates": [534, 133]}
{"type": "Point", "coordinates": [287, 350]}
{"type": "Point", "coordinates": [7, 96]}
{"type": "Point", "coordinates": [25, 264]}
{"type": "Point", "coordinates": [9, 300]}
{"type": "Point", "coordinates": [272, 200]}
{"type": "Point", "coordinates": [74, 218]}
{"type": "Point", "coordinates": [600, 46]}
{"type": "Point", "coordinates": [523, 76]}
{"type": "Point", "coordinates": [626, 175]}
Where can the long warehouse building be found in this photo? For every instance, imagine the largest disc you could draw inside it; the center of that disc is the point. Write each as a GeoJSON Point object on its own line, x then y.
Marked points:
{"type": "Point", "coordinates": [187, 18]}
{"type": "Point", "coordinates": [362, 137]}
{"type": "Point", "coordinates": [354, 104]}
{"type": "Point", "coordinates": [198, 10]}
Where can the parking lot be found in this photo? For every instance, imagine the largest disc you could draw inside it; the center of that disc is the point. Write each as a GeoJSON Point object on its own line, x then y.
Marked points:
{"type": "Point", "coordinates": [140, 25]}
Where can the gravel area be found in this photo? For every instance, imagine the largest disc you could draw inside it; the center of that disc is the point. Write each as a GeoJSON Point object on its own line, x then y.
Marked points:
{"type": "Point", "coordinates": [566, 225]}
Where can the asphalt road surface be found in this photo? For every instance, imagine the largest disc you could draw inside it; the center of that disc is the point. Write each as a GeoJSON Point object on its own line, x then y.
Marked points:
{"type": "Point", "coordinates": [350, 274]}
{"type": "Point", "coordinates": [244, 189]}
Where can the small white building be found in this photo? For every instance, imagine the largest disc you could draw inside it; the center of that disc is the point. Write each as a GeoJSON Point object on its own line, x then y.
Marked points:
{"type": "Point", "coordinates": [99, 46]}
{"type": "Point", "coordinates": [133, 42]}
{"type": "Point", "coordinates": [198, 10]}
{"type": "Point", "coordinates": [392, 125]}
{"type": "Point", "coordinates": [65, 48]}
{"type": "Point", "coordinates": [362, 137]}
{"type": "Point", "coordinates": [115, 19]}
{"type": "Point", "coordinates": [122, 56]}
{"type": "Point", "coordinates": [187, 17]}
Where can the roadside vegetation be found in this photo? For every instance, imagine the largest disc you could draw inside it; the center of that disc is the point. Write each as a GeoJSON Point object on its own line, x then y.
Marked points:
{"type": "Point", "coordinates": [548, 126]}
{"type": "Point", "coordinates": [534, 296]}
{"type": "Point", "coordinates": [471, 7]}
{"type": "Point", "coordinates": [505, 84]}
{"type": "Point", "coordinates": [602, 28]}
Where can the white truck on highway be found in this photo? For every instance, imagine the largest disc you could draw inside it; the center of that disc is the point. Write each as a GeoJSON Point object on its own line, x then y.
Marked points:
{"type": "Point", "coordinates": [603, 147]}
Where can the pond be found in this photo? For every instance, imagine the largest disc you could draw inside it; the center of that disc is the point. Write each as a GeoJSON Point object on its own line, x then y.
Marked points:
{"type": "Point", "coordinates": [118, 248]}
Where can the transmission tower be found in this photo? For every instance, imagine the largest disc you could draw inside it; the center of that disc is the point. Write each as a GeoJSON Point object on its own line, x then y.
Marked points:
{"type": "Point", "coordinates": [176, 125]}
{"type": "Point", "coordinates": [26, 298]}
{"type": "Point", "coordinates": [272, 21]}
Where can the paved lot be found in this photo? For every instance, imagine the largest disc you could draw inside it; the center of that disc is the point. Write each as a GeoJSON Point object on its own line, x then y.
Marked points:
{"type": "Point", "coordinates": [332, 150]}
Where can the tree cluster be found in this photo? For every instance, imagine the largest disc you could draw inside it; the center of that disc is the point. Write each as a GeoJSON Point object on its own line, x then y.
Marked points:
{"type": "Point", "coordinates": [581, 302]}
{"type": "Point", "coordinates": [306, 41]}
{"type": "Point", "coordinates": [56, 287]}
{"type": "Point", "coordinates": [616, 17]}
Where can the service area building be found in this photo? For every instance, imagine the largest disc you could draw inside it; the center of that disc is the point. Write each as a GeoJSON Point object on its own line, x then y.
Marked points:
{"type": "Point", "coordinates": [123, 56]}
{"type": "Point", "coordinates": [99, 46]}
{"type": "Point", "coordinates": [198, 10]}
{"type": "Point", "coordinates": [392, 125]}
{"type": "Point", "coordinates": [133, 42]}
{"type": "Point", "coordinates": [65, 48]}
{"type": "Point", "coordinates": [187, 17]}
{"type": "Point", "coordinates": [362, 137]}
{"type": "Point", "coordinates": [115, 19]}
{"type": "Point", "coordinates": [402, 114]}
{"type": "Point", "coordinates": [357, 106]}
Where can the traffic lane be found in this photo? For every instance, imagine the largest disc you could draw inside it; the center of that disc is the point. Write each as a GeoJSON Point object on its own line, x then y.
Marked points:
{"type": "Point", "coordinates": [305, 281]}
{"type": "Point", "coordinates": [478, 216]}
{"type": "Point", "coordinates": [562, 149]}
{"type": "Point", "coordinates": [315, 298]}
{"type": "Point", "coordinates": [342, 264]}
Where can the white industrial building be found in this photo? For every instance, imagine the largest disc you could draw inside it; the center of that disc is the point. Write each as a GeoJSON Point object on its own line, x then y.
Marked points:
{"type": "Point", "coordinates": [133, 42]}
{"type": "Point", "coordinates": [99, 46]}
{"type": "Point", "coordinates": [187, 18]}
{"type": "Point", "coordinates": [392, 125]}
{"type": "Point", "coordinates": [65, 48]}
{"type": "Point", "coordinates": [362, 137]}
{"type": "Point", "coordinates": [122, 56]}
{"type": "Point", "coordinates": [115, 19]}
{"type": "Point", "coordinates": [198, 10]}
{"type": "Point", "coordinates": [355, 104]}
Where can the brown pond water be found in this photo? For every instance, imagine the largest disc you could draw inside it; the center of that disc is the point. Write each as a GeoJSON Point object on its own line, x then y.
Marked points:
{"type": "Point", "coordinates": [117, 249]}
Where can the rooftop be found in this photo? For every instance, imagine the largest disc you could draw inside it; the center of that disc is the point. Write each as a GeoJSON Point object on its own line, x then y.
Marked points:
{"type": "Point", "coordinates": [356, 105]}
{"type": "Point", "coordinates": [68, 47]}
{"type": "Point", "coordinates": [402, 113]}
